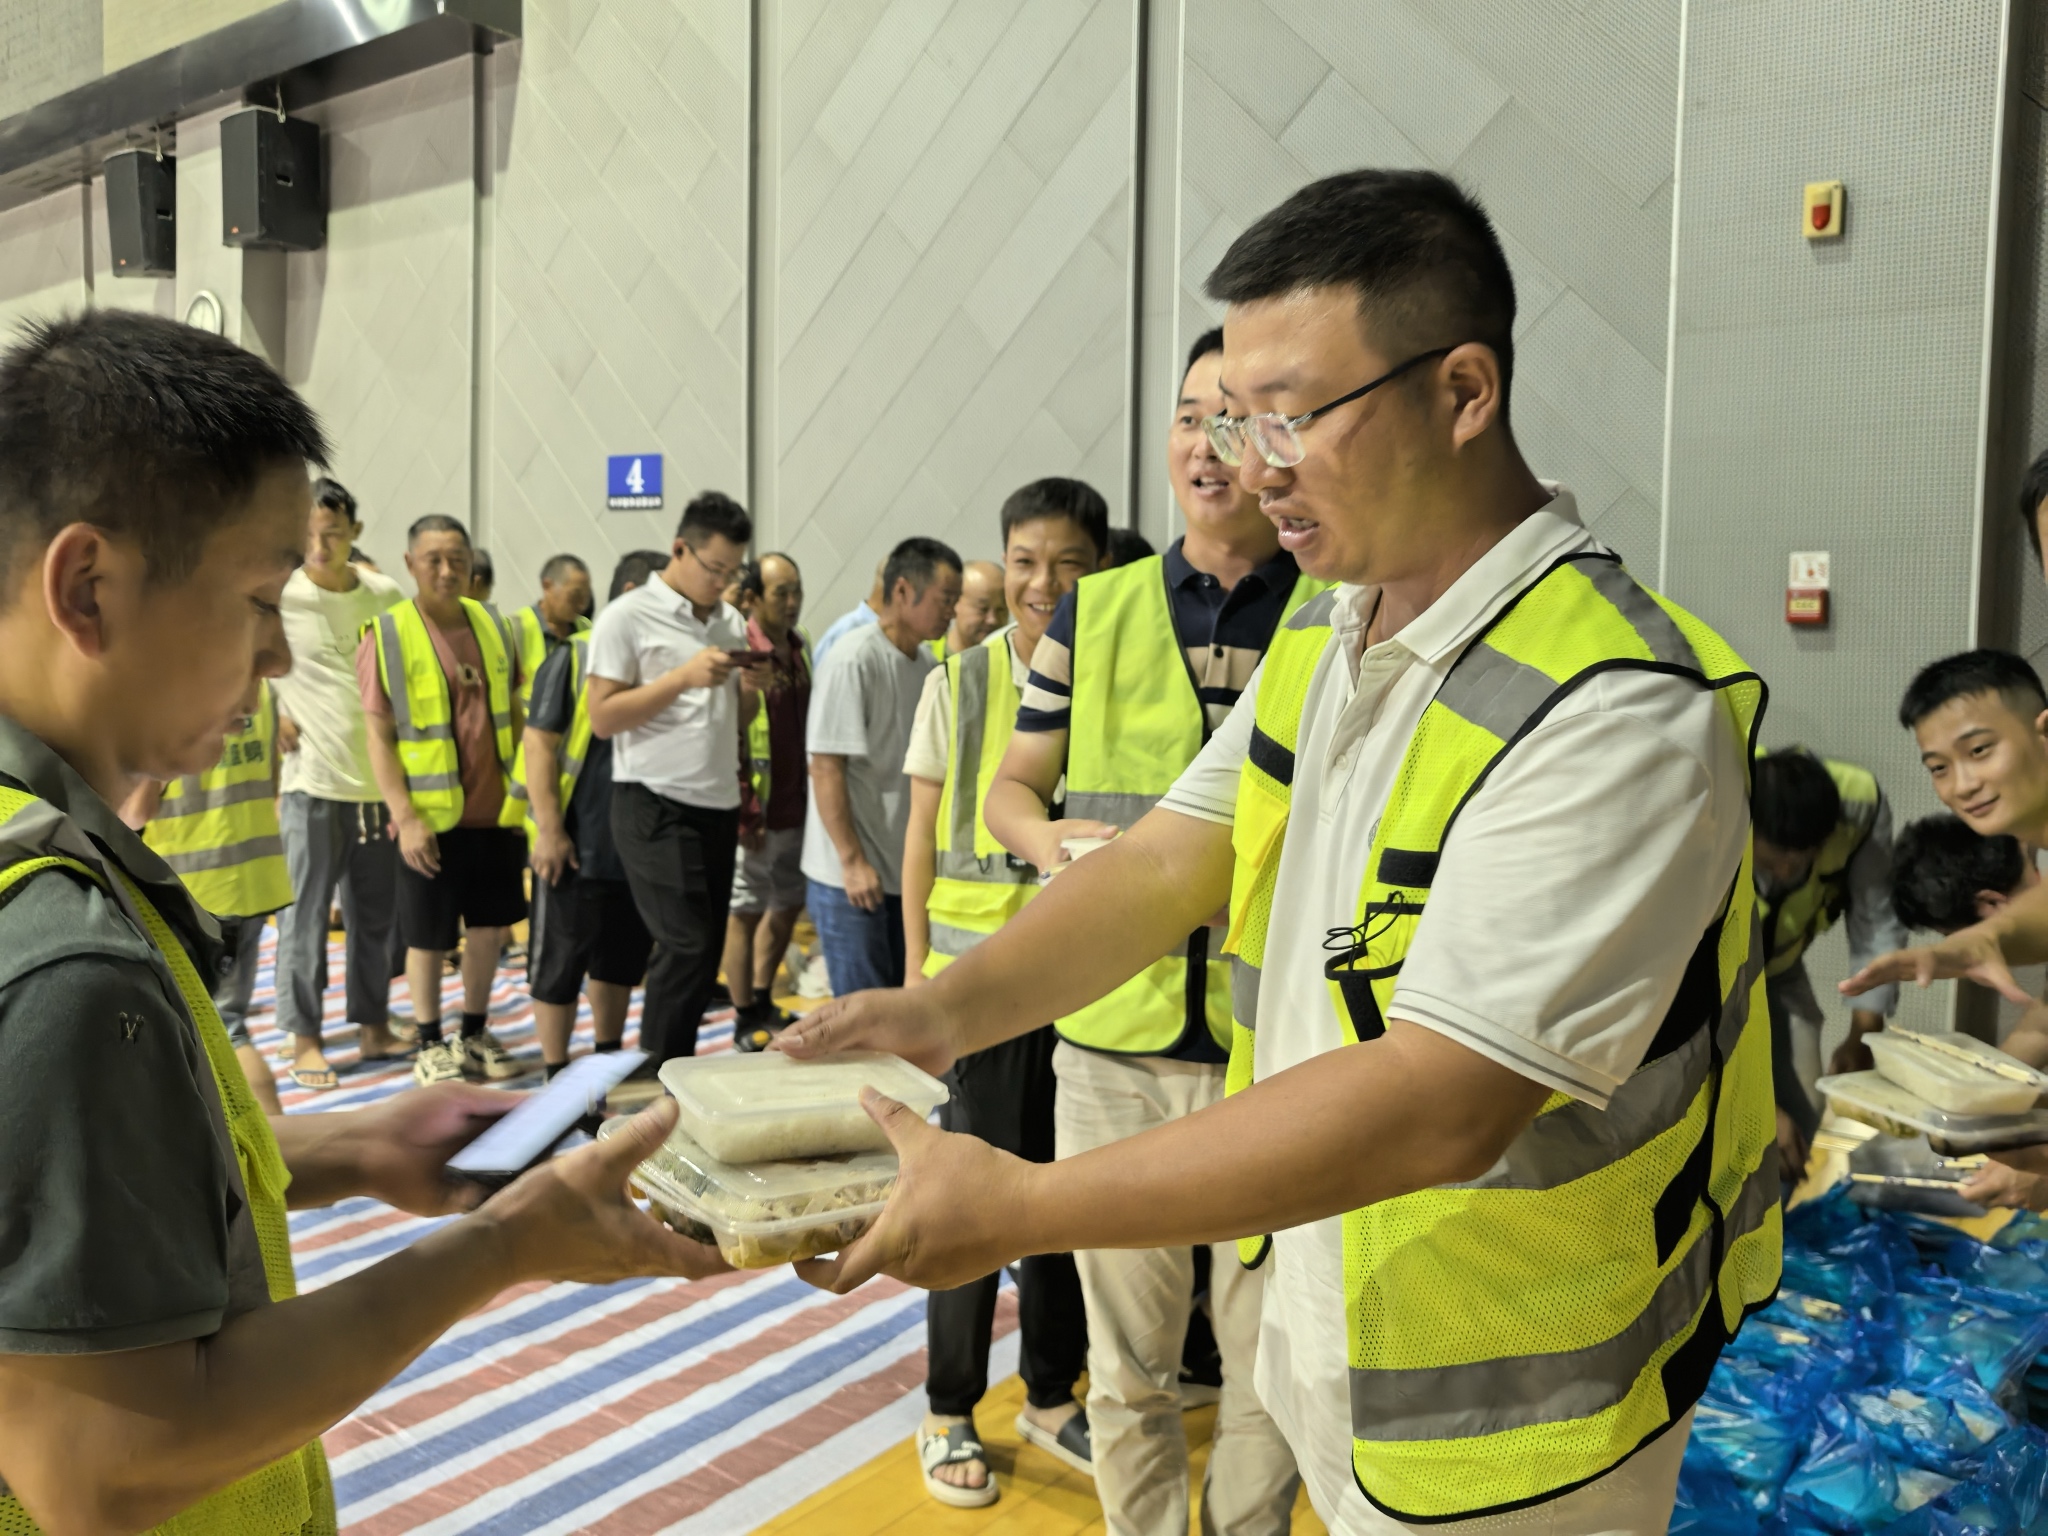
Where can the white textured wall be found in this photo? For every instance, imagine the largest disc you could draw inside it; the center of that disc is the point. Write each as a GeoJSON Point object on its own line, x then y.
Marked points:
{"type": "Point", "coordinates": [42, 260]}
{"type": "Point", "coordinates": [378, 321]}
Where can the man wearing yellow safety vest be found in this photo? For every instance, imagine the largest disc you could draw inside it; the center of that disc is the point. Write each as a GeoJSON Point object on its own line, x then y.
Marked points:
{"type": "Point", "coordinates": [1501, 1061]}
{"type": "Point", "coordinates": [586, 930]}
{"type": "Point", "coordinates": [1823, 839]}
{"type": "Point", "coordinates": [540, 629]}
{"type": "Point", "coordinates": [959, 886]}
{"type": "Point", "coordinates": [436, 676]}
{"type": "Point", "coordinates": [1138, 666]}
{"type": "Point", "coordinates": [157, 1369]}
{"type": "Point", "coordinates": [980, 612]}
{"type": "Point", "coordinates": [218, 831]}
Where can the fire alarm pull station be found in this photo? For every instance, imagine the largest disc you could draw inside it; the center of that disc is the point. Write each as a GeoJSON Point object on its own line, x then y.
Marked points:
{"type": "Point", "coordinates": [1823, 219]}
{"type": "Point", "coordinates": [1806, 588]}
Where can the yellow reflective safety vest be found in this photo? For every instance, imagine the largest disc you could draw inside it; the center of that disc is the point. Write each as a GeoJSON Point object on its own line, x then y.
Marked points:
{"type": "Point", "coordinates": [977, 885]}
{"type": "Point", "coordinates": [530, 636]}
{"type": "Point", "coordinates": [294, 1494]}
{"type": "Point", "coordinates": [1798, 919]}
{"type": "Point", "coordinates": [1137, 723]}
{"type": "Point", "coordinates": [218, 829]}
{"type": "Point", "coordinates": [423, 708]}
{"type": "Point", "coordinates": [575, 744]}
{"type": "Point", "coordinates": [1517, 1336]}
{"type": "Point", "coordinates": [936, 649]}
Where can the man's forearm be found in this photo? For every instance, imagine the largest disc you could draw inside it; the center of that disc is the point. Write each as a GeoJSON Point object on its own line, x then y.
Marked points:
{"type": "Point", "coordinates": [920, 852]}
{"type": "Point", "coordinates": [386, 769]}
{"type": "Point", "coordinates": [2021, 927]}
{"type": "Point", "coordinates": [614, 708]}
{"type": "Point", "coordinates": [835, 807]}
{"type": "Point", "coordinates": [542, 792]}
{"type": "Point", "coordinates": [1019, 801]}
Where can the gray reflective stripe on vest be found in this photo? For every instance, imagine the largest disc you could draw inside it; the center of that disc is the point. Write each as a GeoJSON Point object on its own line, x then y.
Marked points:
{"type": "Point", "coordinates": [1493, 691]}
{"type": "Point", "coordinates": [994, 870]}
{"type": "Point", "coordinates": [1659, 632]}
{"type": "Point", "coordinates": [502, 721]}
{"type": "Point", "coordinates": [1490, 1397]}
{"type": "Point", "coordinates": [1244, 992]}
{"type": "Point", "coordinates": [190, 801]}
{"type": "Point", "coordinates": [1576, 1140]}
{"type": "Point", "coordinates": [948, 940]}
{"type": "Point", "coordinates": [1316, 611]}
{"type": "Point", "coordinates": [427, 781]}
{"type": "Point", "coordinates": [227, 857]}
{"type": "Point", "coordinates": [1125, 811]}
{"type": "Point", "coordinates": [967, 732]}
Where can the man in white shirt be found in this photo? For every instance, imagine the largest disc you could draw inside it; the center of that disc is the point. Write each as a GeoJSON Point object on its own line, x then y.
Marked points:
{"type": "Point", "coordinates": [332, 816]}
{"type": "Point", "coordinates": [1488, 1293]}
{"type": "Point", "coordinates": [663, 690]}
{"type": "Point", "coordinates": [860, 616]}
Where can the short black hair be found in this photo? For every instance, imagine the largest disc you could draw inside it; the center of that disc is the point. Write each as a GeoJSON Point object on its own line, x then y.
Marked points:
{"type": "Point", "coordinates": [481, 566]}
{"type": "Point", "coordinates": [441, 522]}
{"type": "Point", "coordinates": [155, 431]}
{"type": "Point", "coordinates": [559, 566]}
{"type": "Point", "coordinates": [1057, 496]}
{"type": "Point", "coordinates": [1127, 545]}
{"type": "Point", "coordinates": [2034, 487]}
{"type": "Point", "coordinates": [713, 513]}
{"type": "Point", "coordinates": [1969, 673]}
{"type": "Point", "coordinates": [1418, 249]}
{"type": "Point", "coordinates": [1793, 801]}
{"type": "Point", "coordinates": [634, 570]}
{"type": "Point", "coordinates": [918, 561]}
{"type": "Point", "coordinates": [1939, 865]}
{"type": "Point", "coordinates": [335, 497]}
{"type": "Point", "coordinates": [1209, 341]}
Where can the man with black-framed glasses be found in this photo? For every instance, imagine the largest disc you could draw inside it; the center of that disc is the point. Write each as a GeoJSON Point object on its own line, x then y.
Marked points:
{"type": "Point", "coordinates": [663, 689]}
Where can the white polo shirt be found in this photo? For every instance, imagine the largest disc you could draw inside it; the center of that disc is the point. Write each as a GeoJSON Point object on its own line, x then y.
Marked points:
{"type": "Point", "coordinates": [1569, 899]}
{"type": "Point", "coordinates": [690, 751]}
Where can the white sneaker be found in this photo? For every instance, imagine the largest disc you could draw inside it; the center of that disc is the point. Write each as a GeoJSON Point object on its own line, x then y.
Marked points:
{"type": "Point", "coordinates": [440, 1062]}
{"type": "Point", "coordinates": [482, 1056]}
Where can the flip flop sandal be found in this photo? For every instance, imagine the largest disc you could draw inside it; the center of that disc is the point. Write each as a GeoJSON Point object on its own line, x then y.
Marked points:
{"type": "Point", "coordinates": [315, 1079]}
{"type": "Point", "coordinates": [1071, 1445]}
{"type": "Point", "coordinates": [949, 1447]}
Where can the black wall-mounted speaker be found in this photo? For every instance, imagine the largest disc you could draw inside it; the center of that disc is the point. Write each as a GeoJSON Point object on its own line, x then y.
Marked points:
{"type": "Point", "coordinates": [272, 193]}
{"type": "Point", "coordinates": [142, 214]}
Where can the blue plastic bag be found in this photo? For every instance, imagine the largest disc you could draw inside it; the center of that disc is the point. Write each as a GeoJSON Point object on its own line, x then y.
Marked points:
{"type": "Point", "coordinates": [1942, 1324]}
{"type": "Point", "coordinates": [1943, 1426]}
{"type": "Point", "coordinates": [1844, 1482]}
{"type": "Point", "coordinates": [1747, 1430]}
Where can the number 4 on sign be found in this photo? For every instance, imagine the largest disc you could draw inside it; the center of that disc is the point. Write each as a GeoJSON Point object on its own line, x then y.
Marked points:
{"type": "Point", "coordinates": [636, 479]}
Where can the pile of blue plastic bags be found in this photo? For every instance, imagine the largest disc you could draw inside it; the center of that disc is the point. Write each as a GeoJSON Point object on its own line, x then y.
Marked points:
{"type": "Point", "coordinates": [1895, 1385]}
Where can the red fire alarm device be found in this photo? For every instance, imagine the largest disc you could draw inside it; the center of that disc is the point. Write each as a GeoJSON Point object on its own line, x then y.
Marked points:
{"type": "Point", "coordinates": [1823, 219]}
{"type": "Point", "coordinates": [1806, 588]}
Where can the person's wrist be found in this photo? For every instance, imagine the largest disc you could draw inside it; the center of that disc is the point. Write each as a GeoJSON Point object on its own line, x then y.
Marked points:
{"type": "Point", "coordinates": [494, 1241]}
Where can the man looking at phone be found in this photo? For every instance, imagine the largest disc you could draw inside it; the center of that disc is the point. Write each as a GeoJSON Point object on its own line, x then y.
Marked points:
{"type": "Point", "coordinates": [663, 691]}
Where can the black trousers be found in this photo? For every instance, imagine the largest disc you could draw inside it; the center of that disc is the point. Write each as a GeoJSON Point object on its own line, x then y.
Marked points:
{"type": "Point", "coordinates": [678, 862]}
{"type": "Point", "coordinates": [1004, 1095]}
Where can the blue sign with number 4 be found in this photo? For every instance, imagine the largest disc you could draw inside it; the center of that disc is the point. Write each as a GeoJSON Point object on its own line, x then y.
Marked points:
{"type": "Point", "coordinates": [633, 482]}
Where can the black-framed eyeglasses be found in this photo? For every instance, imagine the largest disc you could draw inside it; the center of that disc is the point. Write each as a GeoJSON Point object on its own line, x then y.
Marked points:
{"type": "Point", "coordinates": [1277, 438]}
{"type": "Point", "coordinates": [721, 574]}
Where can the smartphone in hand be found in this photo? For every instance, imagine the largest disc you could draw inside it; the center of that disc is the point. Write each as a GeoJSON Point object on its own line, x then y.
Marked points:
{"type": "Point", "coordinates": [537, 1129]}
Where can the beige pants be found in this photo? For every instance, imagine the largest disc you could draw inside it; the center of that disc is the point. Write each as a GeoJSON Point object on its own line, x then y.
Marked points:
{"type": "Point", "coordinates": [1138, 1302]}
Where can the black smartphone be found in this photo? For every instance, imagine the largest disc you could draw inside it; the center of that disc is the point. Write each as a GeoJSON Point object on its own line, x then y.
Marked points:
{"type": "Point", "coordinates": [747, 657]}
{"type": "Point", "coordinates": [537, 1129]}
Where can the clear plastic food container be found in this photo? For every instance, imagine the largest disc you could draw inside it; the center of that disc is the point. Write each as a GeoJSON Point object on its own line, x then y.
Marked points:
{"type": "Point", "coordinates": [769, 1214]}
{"type": "Point", "coordinates": [770, 1107]}
{"type": "Point", "coordinates": [1875, 1099]}
{"type": "Point", "coordinates": [1947, 1079]}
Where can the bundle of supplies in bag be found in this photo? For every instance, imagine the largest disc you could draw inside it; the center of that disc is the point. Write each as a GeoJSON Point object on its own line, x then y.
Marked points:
{"type": "Point", "coordinates": [773, 1159]}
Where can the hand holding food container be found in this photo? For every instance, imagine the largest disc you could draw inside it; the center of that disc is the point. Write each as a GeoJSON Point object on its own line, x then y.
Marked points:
{"type": "Point", "coordinates": [1074, 847]}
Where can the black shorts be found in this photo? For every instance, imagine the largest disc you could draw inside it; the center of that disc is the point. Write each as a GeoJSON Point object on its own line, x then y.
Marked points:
{"type": "Point", "coordinates": [482, 883]}
{"type": "Point", "coordinates": [584, 928]}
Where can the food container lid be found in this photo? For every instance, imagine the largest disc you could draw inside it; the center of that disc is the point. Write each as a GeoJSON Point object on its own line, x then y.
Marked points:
{"type": "Point", "coordinates": [1950, 1078]}
{"type": "Point", "coordinates": [772, 1086]}
{"type": "Point", "coordinates": [761, 1197]}
{"type": "Point", "coordinates": [1875, 1099]}
{"type": "Point", "coordinates": [1961, 1048]}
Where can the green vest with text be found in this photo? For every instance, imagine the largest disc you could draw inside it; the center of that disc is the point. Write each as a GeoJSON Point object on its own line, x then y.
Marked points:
{"type": "Point", "coordinates": [293, 1494]}
{"type": "Point", "coordinates": [1516, 1336]}
{"type": "Point", "coordinates": [423, 709]}
{"type": "Point", "coordinates": [1800, 918]}
{"type": "Point", "coordinates": [575, 744]}
{"type": "Point", "coordinates": [530, 635]}
{"type": "Point", "coordinates": [1137, 723]}
{"type": "Point", "coordinates": [976, 885]}
{"type": "Point", "coordinates": [218, 829]}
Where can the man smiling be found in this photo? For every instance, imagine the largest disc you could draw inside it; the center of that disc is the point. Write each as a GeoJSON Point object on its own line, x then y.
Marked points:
{"type": "Point", "coordinates": [1481, 822]}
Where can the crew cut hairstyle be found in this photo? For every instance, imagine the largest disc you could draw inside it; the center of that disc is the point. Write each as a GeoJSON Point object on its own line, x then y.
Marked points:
{"type": "Point", "coordinates": [1793, 801]}
{"type": "Point", "coordinates": [918, 561]}
{"type": "Point", "coordinates": [1056, 496]}
{"type": "Point", "coordinates": [1939, 865]}
{"type": "Point", "coordinates": [441, 522]}
{"type": "Point", "coordinates": [335, 497]}
{"type": "Point", "coordinates": [481, 566]}
{"type": "Point", "coordinates": [560, 566]}
{"type": "Point", "coordinates": [2033, 488]}
{"type": "Point", "coordinates": [1418, 250]}
{"type": "Point", "coordinates": [1127, 545]}
{"type": "Point", "coordinates": [154, 431]}
{"type": "Point", "coordinates": [1969, 673]}
{"type": "Point", "coordinates": [634, 570]}
{"type": "Point", "coordinates": [1209, 341]}
{"type": "Point", "coordinates": [714, 513]}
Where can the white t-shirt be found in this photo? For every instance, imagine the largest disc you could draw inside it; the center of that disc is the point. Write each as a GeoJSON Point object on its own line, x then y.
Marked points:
{"type": "Point", "coordinates": [1566, 906]}
{"type": "Point", "coordinates": [863, 703]}
{"type": "Point", "coordinates": [320, 692]}
{"type": "Point", "coordinates": [689, 752]}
